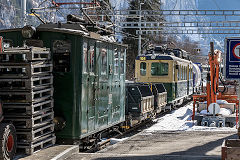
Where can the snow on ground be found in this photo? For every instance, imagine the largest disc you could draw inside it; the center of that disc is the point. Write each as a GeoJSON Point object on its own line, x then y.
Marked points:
{"type": "Point", "coordinates": [115, 140]}
{"type": "Point", "coordinates": [180, 120]}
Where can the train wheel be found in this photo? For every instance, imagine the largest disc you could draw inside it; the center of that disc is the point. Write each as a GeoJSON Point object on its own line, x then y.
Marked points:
{"type": "Point", "coordinates": [8, 141]}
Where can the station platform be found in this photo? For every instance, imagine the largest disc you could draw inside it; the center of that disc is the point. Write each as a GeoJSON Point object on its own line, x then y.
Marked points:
{"type": "Point", "coordinates": [57, 152]}
{"type": "Point", "coordinates": [164, 145]}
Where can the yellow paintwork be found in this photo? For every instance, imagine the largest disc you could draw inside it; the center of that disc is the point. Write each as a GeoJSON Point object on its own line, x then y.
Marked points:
{"type": "Point", "coordinates": [183, 67]}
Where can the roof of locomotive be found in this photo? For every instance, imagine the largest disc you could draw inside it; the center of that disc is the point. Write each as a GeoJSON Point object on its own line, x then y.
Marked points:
{"type": "Point", "coordinates": [163, 53]}
{"type": "Point", "coordinates": [68, 28]}
{"type": "Point", "coordinates": [162, 57]}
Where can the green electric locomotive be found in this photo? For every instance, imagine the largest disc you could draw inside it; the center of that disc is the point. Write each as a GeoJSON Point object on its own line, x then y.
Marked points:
{"type": "Point", "coordinates": [89, 77]}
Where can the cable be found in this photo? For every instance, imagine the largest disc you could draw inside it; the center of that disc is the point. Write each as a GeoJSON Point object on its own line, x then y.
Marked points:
{"type": "Point", "coordinates": [216, 4]}
{"type": "Point", "coordinates": [175, 4]}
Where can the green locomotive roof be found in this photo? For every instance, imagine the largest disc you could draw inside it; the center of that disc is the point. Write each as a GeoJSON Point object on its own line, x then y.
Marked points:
{"type": "Point", "coordinates": [68, 28]}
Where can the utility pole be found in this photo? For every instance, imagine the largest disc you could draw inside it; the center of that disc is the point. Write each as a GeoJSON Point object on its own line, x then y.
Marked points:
{"type": "Point", "coordinates": [140, 28]}
{"type": "Point", "coordinates": [24, 12]}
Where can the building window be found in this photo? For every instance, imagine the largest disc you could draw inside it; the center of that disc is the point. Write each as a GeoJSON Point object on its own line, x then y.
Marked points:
{"type": "Point", "coordinates": [143, 68]}
{"type": "Point", "coordinates": [159, 69]}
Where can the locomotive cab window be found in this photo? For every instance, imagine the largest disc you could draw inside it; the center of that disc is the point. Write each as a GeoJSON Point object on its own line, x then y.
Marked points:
{"type": "Point", "coordinates": [143, 68]}
{"type": "Point", "coordinates": [91, 55]}
{"type": "Point", "coordinates": [85, 58]}
{"type": "Point", "coordinates": [159, 69]}
{"type": "Point", "coordinates": [122, 61]}
{"type": "Point", "coordinates": [104, 61]}
{"type": "Point", "coordinates": [61, 56]}
{"type": "Point", "coordinates": [178, 73]}
{"type": "Point", "coordinates": [116, 62]}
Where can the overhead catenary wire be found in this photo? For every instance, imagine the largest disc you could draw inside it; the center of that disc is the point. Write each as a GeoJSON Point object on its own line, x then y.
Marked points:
{"type": "Point", "coordinates": [216, 4]}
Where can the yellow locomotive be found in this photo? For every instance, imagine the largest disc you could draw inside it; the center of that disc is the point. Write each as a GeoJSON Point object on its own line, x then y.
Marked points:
{"type": "Point", "coordinates": [171, 67]}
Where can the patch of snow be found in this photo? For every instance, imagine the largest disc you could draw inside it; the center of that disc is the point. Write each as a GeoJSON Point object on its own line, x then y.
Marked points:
{"type": "Point", "coordinates": [180, 120]}
{"type": "Point", "coordinates": [204, 112]}
{"type": "Point", "coordinates": [222, 102]}
{"type": "Point", "coordinates": [225, 111]}
{"type": "Point", "coordinates": [115, 140]}
{"type": "Point", "coordinates": [218, 102]}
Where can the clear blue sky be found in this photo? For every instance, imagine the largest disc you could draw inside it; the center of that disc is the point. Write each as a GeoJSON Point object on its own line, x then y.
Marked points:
{"type": "Point", "coordinates": [216, 4]}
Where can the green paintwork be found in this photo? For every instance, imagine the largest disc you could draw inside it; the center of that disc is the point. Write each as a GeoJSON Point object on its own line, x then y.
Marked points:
{"type": "Point", "coordinates": [170, 87]}
{"type": "Point", "coordinates": [88, 101]}
{"type": "Point", "coordinates": [177, 90]}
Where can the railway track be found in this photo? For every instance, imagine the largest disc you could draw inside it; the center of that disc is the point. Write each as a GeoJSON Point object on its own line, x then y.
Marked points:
{"type": "Point", "coordinates": [134, 130]}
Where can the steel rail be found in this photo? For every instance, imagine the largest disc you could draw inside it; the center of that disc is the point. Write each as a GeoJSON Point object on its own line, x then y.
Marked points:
{"type": "Point", "coordinates": [105, 143]}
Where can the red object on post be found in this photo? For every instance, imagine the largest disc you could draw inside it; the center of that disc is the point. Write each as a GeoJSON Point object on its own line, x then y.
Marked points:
{"type": "Point", "coordinates": [211, 95]}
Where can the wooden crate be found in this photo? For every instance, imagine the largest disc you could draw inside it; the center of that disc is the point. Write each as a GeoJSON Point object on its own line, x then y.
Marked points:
{"type": "Point", "coordinates": [231, 149]}
{"type": "Point", "coordinates": [20, 84]}
{"type": "Point", "coordinates": [24, 54]}
{"type": "Point", "coordinates": [25, 70]}
{"type": "Point", "coordinates": [26, 96]}
{"type": "Point", "coordinates": [30, 148]}
{"type": "Point", "coordinates": [31, 121]}
{"type": "Point", "coordinates": [25, 109]}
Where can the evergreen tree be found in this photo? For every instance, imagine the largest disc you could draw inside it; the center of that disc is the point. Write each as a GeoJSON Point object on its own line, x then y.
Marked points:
{"type": "Point", "coordinates": [132, 42]}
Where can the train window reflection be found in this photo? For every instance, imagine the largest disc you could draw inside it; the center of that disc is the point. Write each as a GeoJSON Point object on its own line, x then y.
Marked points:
{"type": "Point", "coordinates": [104, 61]}
{"type": "Point", "coordinates": [91, 58]}
{"type": "Point", "coordinates": [143, 68]}
{"type": "Point", "coordinates": [116, 62]}
{"type": "Point", "coordinates": [122, 61]}
{"type": "Point", "coordinates": [159, 69]}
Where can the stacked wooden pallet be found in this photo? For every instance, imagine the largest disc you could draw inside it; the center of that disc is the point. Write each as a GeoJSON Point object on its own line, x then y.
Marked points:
{"type": "Point", "coordinates": [26, 91]}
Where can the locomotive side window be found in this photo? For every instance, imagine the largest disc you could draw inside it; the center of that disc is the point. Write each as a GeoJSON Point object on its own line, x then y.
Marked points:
{"type": "Point", "coordinates": [185, 69]}
{"type": "Point", "coordinates": [159, 69]}
{"type": "Point", "coordinates": [178, 73]}
{"type": "Point", "coordinates": [104, 61]}
{"type": "Point", "coordinates": [61, 56]}
{"type": "Point", "coordinates": [182, 73]}
{"type": "Point", "coordinates": [116, 62]}
{"type": "Point", "coordinates": [189, 73]}
{"type": "Point", "coordinates": [85, 61]}
{"type": "Point", "coordinates": [122, 61]}
{"type": "Point", "coordinates": [91, 54]}
{"type": "Point", "coordinates": [143, 68]}
{"type": "Point", "coordinates": [164, 68]}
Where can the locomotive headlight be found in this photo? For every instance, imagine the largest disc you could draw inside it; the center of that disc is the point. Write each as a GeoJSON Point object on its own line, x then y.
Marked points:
{"type": "Point", "coordinates": [59, 123]}
{"type": "Point", "coordinates": [28, 31]}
